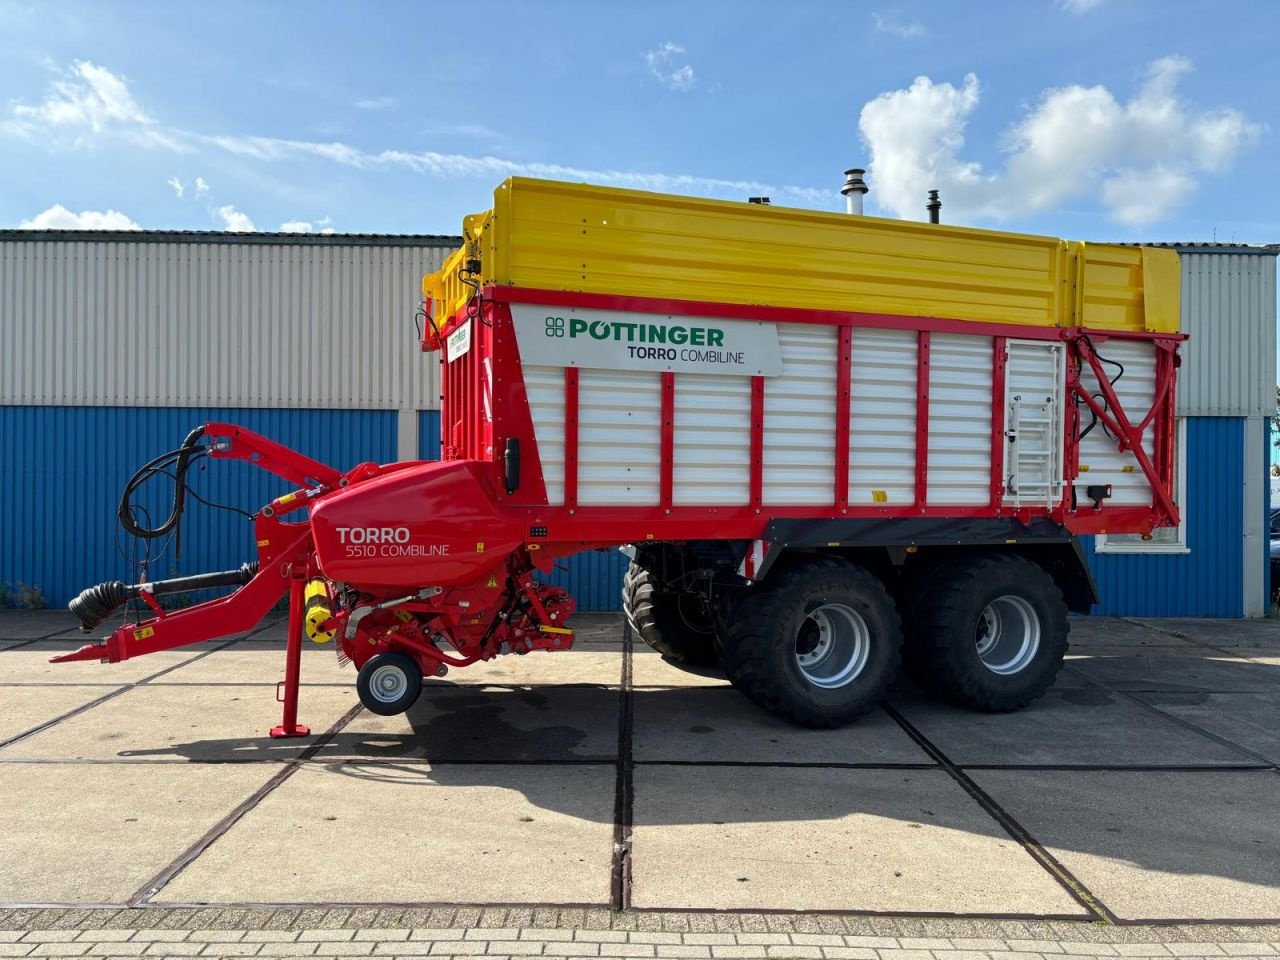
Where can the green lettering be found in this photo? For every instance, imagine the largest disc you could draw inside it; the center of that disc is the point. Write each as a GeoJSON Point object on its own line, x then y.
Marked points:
{"type": "Point", "coordinates": [657, 334]}
{"type": "Point", "coordinates": [715, 338]}
{"type": "Point", "coordinates": [698, 336]}
{"type": "Point", "coordinates": [678, 334]}
{"type": "Point", "coordinates": [577, 326]}
{"type": "Point", "coordinates": [599, 330]}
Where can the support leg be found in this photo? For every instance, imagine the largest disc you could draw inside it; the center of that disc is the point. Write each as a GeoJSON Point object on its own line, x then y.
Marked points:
{"type": "Point", "coordinates": [289, 726]}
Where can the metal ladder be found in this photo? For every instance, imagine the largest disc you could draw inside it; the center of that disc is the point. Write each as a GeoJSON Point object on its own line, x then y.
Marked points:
{"type": "Point", "coordinates": [1033, 458]}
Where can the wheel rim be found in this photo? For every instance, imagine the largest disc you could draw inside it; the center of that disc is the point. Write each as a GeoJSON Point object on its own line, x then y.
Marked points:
{"type": "Point", "coordinates": [1008, 635]}
{"type": "Point", "coordinates": [388, 684]}
{"type": "Point", "coordinates": [832, 646]}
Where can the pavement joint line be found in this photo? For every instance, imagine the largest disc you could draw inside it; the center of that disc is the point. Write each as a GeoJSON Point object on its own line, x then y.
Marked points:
{"type": "Point", "coordinates": [1185, 724]}
{"type": "Point", "coordinates": [188, 856]}
{"type": "Point", "coordinates": [1185, 639]}
{"type": "Point", "coordinates": [122, 689]}
{"type": "Point", "coordinates": [1065, 878]}
{"type": "Point", "coordinates": [620, 873]}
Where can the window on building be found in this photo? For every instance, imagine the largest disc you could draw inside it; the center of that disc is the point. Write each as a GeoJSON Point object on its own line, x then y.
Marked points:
{"type": "Point", "coordinates": [1163, 539]}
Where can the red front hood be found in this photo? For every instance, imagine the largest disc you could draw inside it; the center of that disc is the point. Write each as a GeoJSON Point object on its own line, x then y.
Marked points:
{"type": "Point", "coordinates": [432, 524]}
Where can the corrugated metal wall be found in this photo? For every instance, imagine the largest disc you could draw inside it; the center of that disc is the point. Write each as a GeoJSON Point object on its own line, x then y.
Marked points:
{"type": "Point", "coordinates": [1207, 581]}
{"type": "Point", "coordinates": [1229, 309]}
{"type": "Point", "coordinates": [66, 466]}
{"type": "Point", "coordinates": [261, 322]}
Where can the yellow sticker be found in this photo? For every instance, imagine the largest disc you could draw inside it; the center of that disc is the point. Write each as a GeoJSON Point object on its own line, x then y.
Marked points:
{"type": "Point", "coordinates": [1084, 468]}
{"type": "Point", "coordinates": [287, 498]}
{"type": "Point", "coordinates": [264, 543]}
{"type": "Point", "coordinates": [560, 630]}
{"type": "Point", "coordinates": [1127, 468]}
{"type": "Point", "coordinates": [879, 496]}
{"type": "Point", "coordinates": [144, 633]}
{"type": "Point", "coordinates": [493, 582]}
{"type": "Point", "coordinates": [480, 547]}
{"type": "Point", "coordinates": [404, 615]}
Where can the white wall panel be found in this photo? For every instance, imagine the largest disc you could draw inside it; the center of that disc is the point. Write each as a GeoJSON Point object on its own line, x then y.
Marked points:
{"type": "Point", "coordinates": [882, 417]}
{"type": "Point", "coordinates": [186, 322]}
{"type": "Point", "coordinates": [799, 418]}
{"type": "Point", "coordinates": [960, 383]}
{"type": "Point", "coordinates": [1229, 310]}
{"type": "Point", "coordinates": [619, 437]}
{"type": "Point", "coordinates": [712, 440]}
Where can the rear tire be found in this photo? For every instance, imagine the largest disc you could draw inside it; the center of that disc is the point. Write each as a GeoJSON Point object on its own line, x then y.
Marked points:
{"type": "Point", "coordinates": [989, 632]}
{"type": "Point", "coordinates": [389, 683]}
{"type": "Point", "coordinates": [817, 643]}
{"type": "Point", "coordinates": [675, 624]}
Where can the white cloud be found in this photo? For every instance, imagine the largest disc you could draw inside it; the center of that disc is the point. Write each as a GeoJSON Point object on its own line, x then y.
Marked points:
{"type": "Point", "coordinates": [177, 185]}
{"type": "Point", "coordinates": [448, 166]}
{"type": "Point", "coordinates": [666, 69]}
{"type": "Point", "coordinates": [1077, 141]}
{"type": "Point", "coordinates": [307, 226]}
{"type": "Point", "coordinates": [89, 99]}
{"type": "Point", "coordinates": [377, 103]}
{"type": "Point", "coordinates": [233, 221]}
{"type": "Point", "coordinates": [59, 217]}
{"type": "Point", "coordinates": [451, 166]}
{"type": "Point", "coordinates": [1079, 6]}
{"type": "Point", "coordinates": [896, 27]}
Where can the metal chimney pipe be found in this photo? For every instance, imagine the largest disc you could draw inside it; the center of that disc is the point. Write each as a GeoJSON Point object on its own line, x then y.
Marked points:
{"type": "Point", "coordinates": [854, 189]}
{"type": "Point", "coordinates": [934, 206]}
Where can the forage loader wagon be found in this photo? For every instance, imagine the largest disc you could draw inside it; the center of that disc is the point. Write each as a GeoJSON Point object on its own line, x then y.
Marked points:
{"type": "Point", "coordinates": [828, 444]}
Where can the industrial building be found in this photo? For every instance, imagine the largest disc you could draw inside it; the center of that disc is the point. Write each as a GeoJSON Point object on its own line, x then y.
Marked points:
{"type": "Point", "coordinates": [117, 344]}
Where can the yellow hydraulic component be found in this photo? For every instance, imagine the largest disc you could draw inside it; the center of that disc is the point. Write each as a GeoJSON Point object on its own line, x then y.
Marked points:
{"type": "Point", "coordinates": [317, 610]}
{"type": "Point", "coordinates": [572, 237]}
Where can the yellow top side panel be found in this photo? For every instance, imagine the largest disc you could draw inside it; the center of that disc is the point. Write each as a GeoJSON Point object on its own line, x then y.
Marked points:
{"type": "Point", "coordinates": [572, 237]}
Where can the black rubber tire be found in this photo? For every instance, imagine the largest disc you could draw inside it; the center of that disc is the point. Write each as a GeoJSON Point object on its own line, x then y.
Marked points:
{"type": "Point", "coordinates": [672, 623]}
{"type": "Point", "coordinates": [380, 704]}
{"type": "Point", "coordinates": [759, 644]}
{"type": "Point", "coordinates": [945, 622]}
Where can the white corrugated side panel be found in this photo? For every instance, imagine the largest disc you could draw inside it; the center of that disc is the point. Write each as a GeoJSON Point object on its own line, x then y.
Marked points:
{"type": "Point", "coordinates": [1229, 309]}
{"type": "Point", "coordinates": [712, 440]}
{"type": "Point", "coordinates": [166, 323]}
{"type": "Point", "coordinates": [799, 418]}
{"type": "Point", "coordinates": [882, 417]}
{"type": "Point", "coordinates": [544, 387]}
{"type": "Point", "coordinates": [619, 437]}
{"type": "Point", "coordinates": [960, 382]}
{"type": "Point", "coordinates": [1135, 390]}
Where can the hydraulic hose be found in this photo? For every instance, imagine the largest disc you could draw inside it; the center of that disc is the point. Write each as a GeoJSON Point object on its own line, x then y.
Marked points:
{"type": "Point", "coordinates": [179, 459]}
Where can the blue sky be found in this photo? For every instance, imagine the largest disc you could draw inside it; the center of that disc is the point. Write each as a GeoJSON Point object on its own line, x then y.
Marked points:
{"type": "Point", "coordinates": [1093, 119]}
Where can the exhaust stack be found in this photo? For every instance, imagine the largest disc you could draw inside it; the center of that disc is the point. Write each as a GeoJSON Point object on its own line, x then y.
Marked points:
{"type": "Point", "coordinates": [934, 206]}
{"type": "Point", "coordinates": [854, 189]}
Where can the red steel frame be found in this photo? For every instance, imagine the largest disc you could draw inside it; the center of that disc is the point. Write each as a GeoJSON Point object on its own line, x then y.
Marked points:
{"type": "Point", "coordinates": [580, 527]}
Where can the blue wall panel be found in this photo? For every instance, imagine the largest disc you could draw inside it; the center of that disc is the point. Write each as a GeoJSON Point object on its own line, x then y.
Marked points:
{"type": "Point", "coordinates": [429, 435]}
{"type": "Point", "coordinates": [1208, 581]}
{"type": "Point", "coordinates": [594, 578]}
{"type": "Point", "coordinates": [65, 468]}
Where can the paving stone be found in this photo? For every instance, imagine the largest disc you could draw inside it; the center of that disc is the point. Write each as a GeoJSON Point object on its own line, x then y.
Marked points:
{"type": "Point", "coordinates": [514, 948]}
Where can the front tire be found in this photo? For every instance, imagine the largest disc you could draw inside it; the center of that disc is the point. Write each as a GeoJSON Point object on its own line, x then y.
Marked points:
{"type": "Point", "coordinates": [389, 683]}
{"type": "Point", "coordinates": [675, 624]}
{"type": "Point", "coordinates": [990, 632]}
{"type": "Point", "coordinates": [817, 643]}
